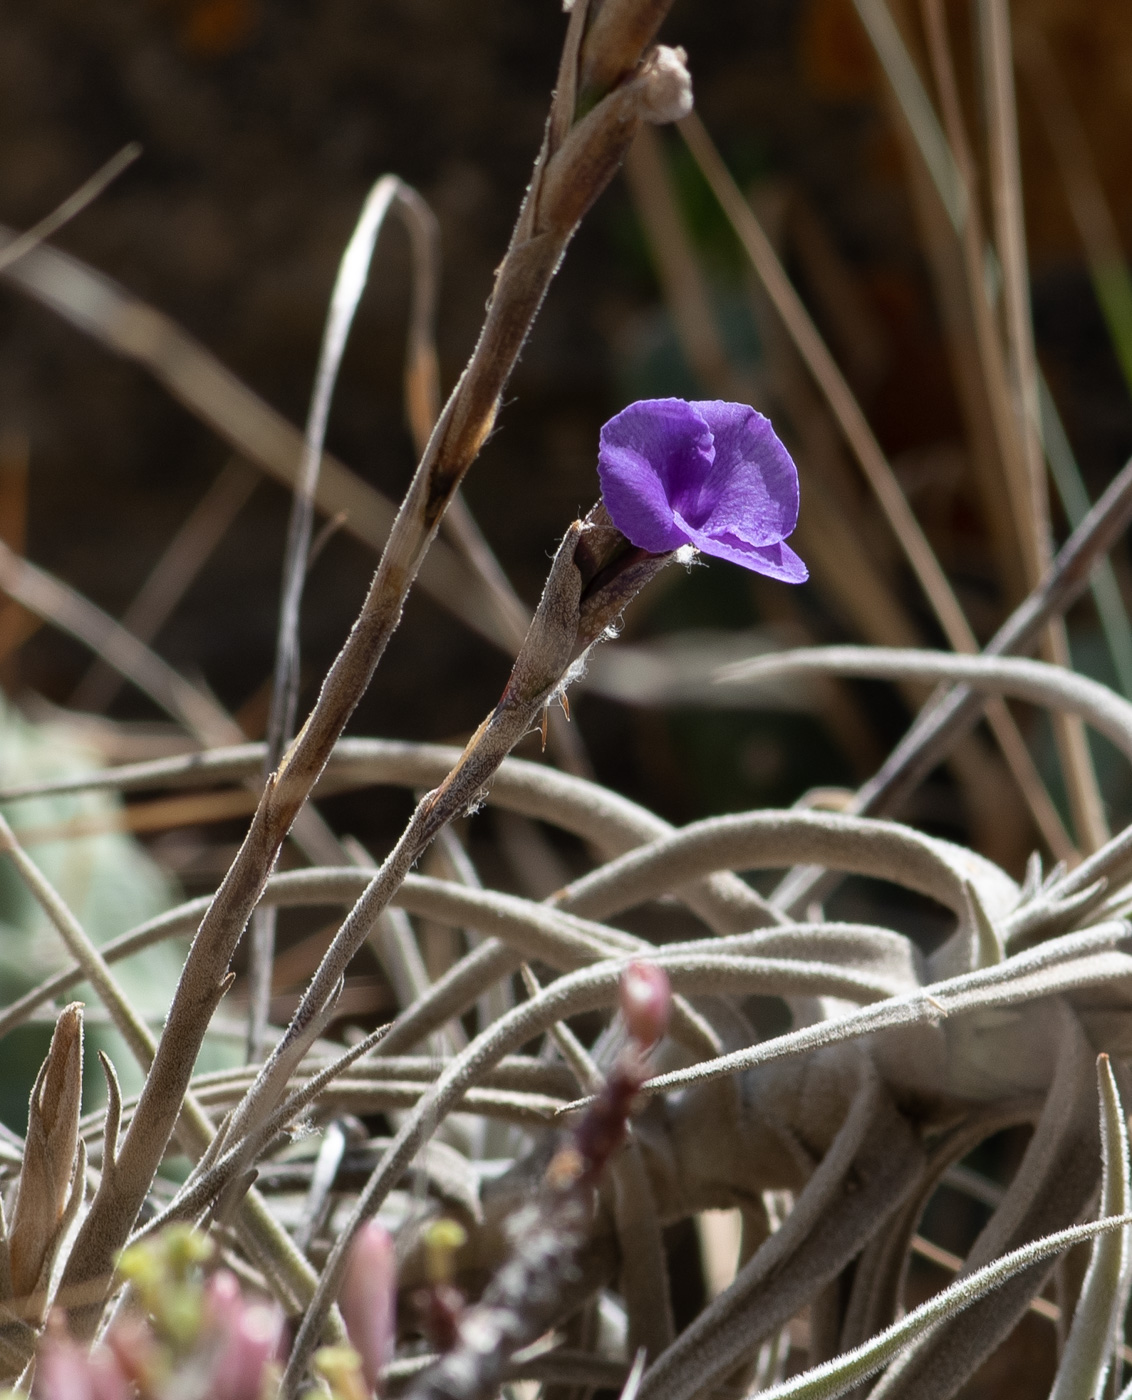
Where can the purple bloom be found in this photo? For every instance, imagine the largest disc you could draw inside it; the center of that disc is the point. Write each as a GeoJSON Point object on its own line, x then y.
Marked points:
{"type": "Point", "coordinates": [709, 474]}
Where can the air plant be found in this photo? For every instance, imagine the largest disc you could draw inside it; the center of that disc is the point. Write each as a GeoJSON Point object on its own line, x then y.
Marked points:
{"type": "Point", "coordinates": [486, 1196]}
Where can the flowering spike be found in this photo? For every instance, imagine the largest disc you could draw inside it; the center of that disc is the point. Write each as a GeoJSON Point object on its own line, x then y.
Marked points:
{"type": "Point", "coordinates": [368, 1298]}
{"type": "Point", "coordinates": [646, 999]}
{"type": "Point", "coordinates": [709, 474]}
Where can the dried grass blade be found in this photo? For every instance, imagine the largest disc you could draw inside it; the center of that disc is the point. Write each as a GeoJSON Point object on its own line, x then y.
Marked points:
{"type": "Point", "coordinates": [1075, 502]}
{"type": "Point", "coordinates": [678, 269]}
{"type": "Point", "coordinates": [422, 408]}
{"type": "Point", "coordinates": [50, 598]}
{"type": "Point", "coordinates": [1006, 189]}
{"type": "Point", "coordinates": [74, 204]}
{"type": "Point", "coordinates": [1088, 205]}
{"type": "Point", "coordinates": [982, 267]}
{"type": "Point", "coordinates": [865, 447]}
{"type": "Point", "coordinates": [353, 272]}
{"type": "Point", "coordinates": [937, 155]}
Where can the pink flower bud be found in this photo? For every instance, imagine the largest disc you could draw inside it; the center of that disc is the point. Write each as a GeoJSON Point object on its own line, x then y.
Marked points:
{"type": "Point", "coordinates": [368, 1298]}
{"type": "Point", "coordinates": [252, 1340]}
{"type": "Point", "coordinates": [646, 999]}
{"type": "Point", "coordinates": [222, 1300]}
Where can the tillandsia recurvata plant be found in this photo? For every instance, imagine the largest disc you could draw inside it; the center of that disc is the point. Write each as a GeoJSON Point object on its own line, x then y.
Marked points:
{"type": "Point", "coordinates": [480, 1192]}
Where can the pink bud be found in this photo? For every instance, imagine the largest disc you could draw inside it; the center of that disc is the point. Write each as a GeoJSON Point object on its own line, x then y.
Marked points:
{"type": "Point", "coordinates": [222, 1300]}
{"type": "Point", "coordinates": [252, 1341]}
{"type": "Point", "coordinates": [646, 999]}
{"type": "Point", "coordinates": [368, 1298]}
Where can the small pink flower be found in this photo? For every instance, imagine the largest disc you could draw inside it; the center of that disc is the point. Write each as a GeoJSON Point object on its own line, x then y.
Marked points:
{"type": "Point", "coordinates": [646, 999]}
{"type": "Point", "coordinates": [222, 1299]}
{"type": "Point", "coordinates": [368, 1298]}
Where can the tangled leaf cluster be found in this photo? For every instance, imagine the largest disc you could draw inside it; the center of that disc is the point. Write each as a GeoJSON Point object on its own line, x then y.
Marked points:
{"type": "Point", "coordinates": [486, 1195]}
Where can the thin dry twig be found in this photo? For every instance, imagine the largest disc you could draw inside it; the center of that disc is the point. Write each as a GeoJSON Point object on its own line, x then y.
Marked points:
{"type": "Point", "coordinates": [50, 598]}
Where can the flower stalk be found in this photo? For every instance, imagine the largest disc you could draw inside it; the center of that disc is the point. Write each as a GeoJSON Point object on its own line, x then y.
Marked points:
{"type": "Point", "coordinates": [580, 154]}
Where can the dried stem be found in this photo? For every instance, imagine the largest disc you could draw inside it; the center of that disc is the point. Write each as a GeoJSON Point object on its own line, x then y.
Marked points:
{"type": "Point", "coordinates": [579, 157]}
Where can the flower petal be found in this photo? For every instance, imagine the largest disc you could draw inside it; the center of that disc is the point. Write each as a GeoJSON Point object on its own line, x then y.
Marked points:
{"type": "Point", "coordinates": [751, 490]}
{"type": "Point", "coordinates": [774, 560]}
{"type": "Point", "coordinates": [651, 454]}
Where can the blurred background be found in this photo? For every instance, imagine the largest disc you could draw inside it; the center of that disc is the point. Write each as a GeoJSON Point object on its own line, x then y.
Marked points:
{"type": "Point", "coordinates": [263, 124]}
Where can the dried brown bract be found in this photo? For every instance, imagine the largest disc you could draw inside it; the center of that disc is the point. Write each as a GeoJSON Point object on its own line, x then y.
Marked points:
{"type": "Point", "coordinates": [51, 1179]}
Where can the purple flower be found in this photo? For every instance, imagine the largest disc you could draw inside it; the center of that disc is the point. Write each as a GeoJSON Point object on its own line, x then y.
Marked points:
{"type": "Point", "coordinates": [709, 474]}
